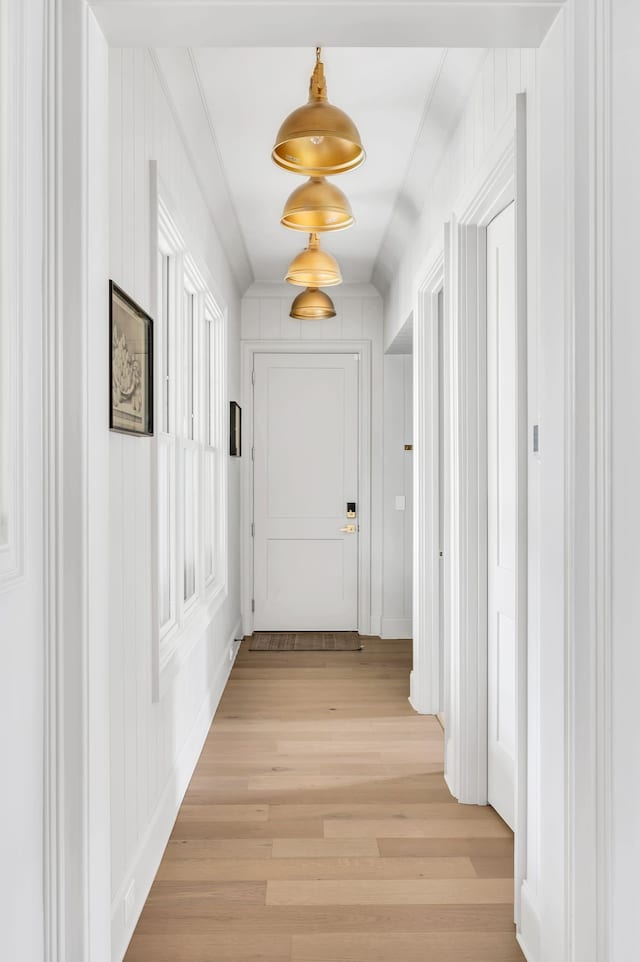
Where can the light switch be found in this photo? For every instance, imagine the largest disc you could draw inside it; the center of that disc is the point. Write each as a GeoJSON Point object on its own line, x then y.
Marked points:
{"type": "Point", "coordinates": [400, 502]}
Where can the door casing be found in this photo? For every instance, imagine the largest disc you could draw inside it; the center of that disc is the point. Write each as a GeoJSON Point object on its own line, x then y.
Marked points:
{"type": "Point", "coordinates": [363, 350]}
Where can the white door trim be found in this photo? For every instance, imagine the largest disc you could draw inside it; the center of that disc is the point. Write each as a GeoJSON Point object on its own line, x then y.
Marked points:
{"type": "Point", "coordinates": [498, 184]}
{"type": "Point", "coordinates": [425, 695]}
{"type": "Point", "coordinates": [77, 870]}
{"type": "Point", "coordinates": [363, 349]}
{"type": "Point", "coordinates": [590, 691]}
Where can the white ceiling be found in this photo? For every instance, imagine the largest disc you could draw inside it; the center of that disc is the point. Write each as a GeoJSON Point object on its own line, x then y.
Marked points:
{"type": "Point", "coordinates": [294, 23]}
{"type": "Point", "coordinates": [231, 101]}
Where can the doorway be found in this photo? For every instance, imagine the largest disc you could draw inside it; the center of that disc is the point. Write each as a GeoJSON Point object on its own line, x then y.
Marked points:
{"type": "Point", "coordinates": [306, 492]}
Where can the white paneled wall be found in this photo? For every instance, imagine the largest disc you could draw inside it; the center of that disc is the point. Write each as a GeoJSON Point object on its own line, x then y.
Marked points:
{"type": "Point", "coordinates": [489, 107]}
{"type": "Point", "coordinates": [154, 744]}
{"type": "Point", "coordinates": [265, 317]}
{"type": "Point", "coordinates": [398, 483]}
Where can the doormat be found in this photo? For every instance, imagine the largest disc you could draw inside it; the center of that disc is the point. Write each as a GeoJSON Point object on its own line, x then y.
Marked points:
{"type": "Point", "coordinates": [305, 641]}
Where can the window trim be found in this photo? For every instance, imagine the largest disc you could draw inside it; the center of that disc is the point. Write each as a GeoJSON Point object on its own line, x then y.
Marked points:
{"type": "Point", "coordinates": [173, 642]}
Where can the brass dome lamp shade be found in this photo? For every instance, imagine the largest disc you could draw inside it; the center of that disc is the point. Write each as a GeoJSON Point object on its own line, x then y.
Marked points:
{"type": "Point", "coordinates": [317, 205]}
{"type": "Point", "coordinates": [314, 267]}
{"type": "Point", "coordinates": [312, 305]}
{"type": "Point", "coordinates": [318, 138]}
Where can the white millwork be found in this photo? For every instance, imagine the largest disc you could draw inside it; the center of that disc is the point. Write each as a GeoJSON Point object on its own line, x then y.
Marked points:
{"type": "Point", "coordinates": [305, 472]}
{"type": "Point", "coordinates": [501, 513]}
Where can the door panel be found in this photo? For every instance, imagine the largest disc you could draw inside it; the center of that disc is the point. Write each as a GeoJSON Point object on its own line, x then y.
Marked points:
{"type": "Point", "coordinates": [305, 472]}
{"type": "Point", "coordinates": [501, 529]}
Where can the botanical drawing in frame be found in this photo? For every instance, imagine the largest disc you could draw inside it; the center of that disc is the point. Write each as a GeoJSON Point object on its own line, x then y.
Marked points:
{"type": "Point", "coordinates": [131, 365]}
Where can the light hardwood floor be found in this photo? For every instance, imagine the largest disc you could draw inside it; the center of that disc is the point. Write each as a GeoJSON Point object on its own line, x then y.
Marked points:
{"type": "Point", "coordinates": [318, 828]}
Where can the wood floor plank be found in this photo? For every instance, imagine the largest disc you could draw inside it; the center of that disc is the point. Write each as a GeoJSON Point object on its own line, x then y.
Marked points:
{"type": "Point", "coordinates": [305, 869]}
{"type": "Point", "coordinates": [438, 807]}
{"type": "Point", "coordinates": [175, 907]}
{"type": "Point", "coordinates": [220, 848]}
{"type": "Point", "coordinates": [390, 892]}
{"type": "Point", "coordinates": [416, 828]}
{"type": "Point", "coordinates": [410, 947]}
{"type": "Point", "coordinates": [291, 828]}
{"type": "Point", "coordinates": [221, 947]}
{"type": "Point", "coordinates": [493, 866]}
{"type": "Point", "coordinates": [224, 813]}
{"type": "Point", "coordinates": [324, 847]}
{"type": "Point", "coordinates": [318, 828]}
{"type": "Point", "coordinates": [412, 847]}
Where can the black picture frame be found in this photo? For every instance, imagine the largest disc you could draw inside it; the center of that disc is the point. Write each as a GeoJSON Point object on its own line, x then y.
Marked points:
{"type": "Point", "coordinates": [130, 365]}
{"type": "Point", "coordinates": [235, 430]}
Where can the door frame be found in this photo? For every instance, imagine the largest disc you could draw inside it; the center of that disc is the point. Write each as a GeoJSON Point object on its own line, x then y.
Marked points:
{"type": "Point", "coordinates": [501, 181]}
{"type": "Point", "coordinates": [363, 350]}
{"type": "Point", "coordinates": [425, 694]}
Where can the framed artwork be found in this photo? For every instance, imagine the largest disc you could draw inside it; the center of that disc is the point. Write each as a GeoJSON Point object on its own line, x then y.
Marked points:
{"type": "Point", "coordinates": [235, 430]}
{"type": "Point", "coordinates": [131, 365]}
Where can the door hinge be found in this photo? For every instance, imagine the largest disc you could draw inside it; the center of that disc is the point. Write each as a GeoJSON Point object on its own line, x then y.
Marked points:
{"type": "Point", "coordinates": [253, 529]}
{"type": "Point", "coordinates": [253, 605]}
{"type": "Point", "coordinates": [253, 454]}
{"type": "Point", "coordinates": [253, 377]}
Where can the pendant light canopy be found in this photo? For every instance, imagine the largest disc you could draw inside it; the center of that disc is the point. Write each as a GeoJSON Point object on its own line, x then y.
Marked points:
{"type": "Point", "coordinates": [312, 305]}
{"type": "Point", "coordinates": [318, 138]}
{"type": "Point", "coordinates": [314, 267]}
{"type": "Point", "coordinates": [317, 205]}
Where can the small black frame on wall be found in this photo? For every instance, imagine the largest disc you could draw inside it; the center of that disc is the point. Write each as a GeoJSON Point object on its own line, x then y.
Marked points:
{"type": "Point", "coordinates": [235, 429]}
{"type": "Point", "coordinates": [130, 365]}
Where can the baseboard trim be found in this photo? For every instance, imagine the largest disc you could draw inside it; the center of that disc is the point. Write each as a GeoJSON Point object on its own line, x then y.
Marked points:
{"type": "Point", "coordinates": [396, 628]}
{"type": "Point", "coordinates": [528, 934]}
{"type": "Point", "coordinates": [149, 853]}
{"type": "Point", "coordinates": [420, 701]}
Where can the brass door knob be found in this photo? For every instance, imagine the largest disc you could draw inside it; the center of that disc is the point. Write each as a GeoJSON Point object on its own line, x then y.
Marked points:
{"type": "Point", "coordinates": [349, 529]}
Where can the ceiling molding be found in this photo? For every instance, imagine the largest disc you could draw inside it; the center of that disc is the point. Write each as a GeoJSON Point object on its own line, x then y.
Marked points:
{"type": "Point", "coordinates": [410, 23]}
{"type": "Point", "coordinates": [444, 106]}
{"type": "Point", "coordinates": [223, 172]}
{"type": "Point", "coordinates": [403, 341]}
{"type": "Point", "coordinates": [180, 83]}
{"type": "Point", "coordinates": [380, 270]}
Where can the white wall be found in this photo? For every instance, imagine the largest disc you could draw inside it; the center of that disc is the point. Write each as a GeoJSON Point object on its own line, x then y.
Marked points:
{"type": "Point", "coordinates": [265, 317]}
{"type": "Point", "coordinates": [541, 74]}
{"type": "Point", "coordinates": [397, 567]}
{"type": "Point", "coordinates": [490, 105]}
{"type": "Point", "coordinates": [625, 466]}
{"type": "Point", "coordinates": [22, 641]}
{"type": "Point", "coordinates": [154, 745]}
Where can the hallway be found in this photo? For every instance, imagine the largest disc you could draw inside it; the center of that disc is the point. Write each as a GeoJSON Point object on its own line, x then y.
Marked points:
{"type": "Point", "coordinates": [318, 828]}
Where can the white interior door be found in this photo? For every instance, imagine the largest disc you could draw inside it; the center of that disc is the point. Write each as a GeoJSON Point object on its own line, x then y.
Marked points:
{"type": "Point", "coordinates": [502, 413]}
{"type": "Point", "coordinates": [305, 473]}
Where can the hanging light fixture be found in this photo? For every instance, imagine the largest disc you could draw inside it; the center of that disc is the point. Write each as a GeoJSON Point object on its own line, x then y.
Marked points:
{"type": "Point", "coordinates": [317, 205]}
{"type": "Point", "coordinates": [314, 267]}
{"type": "Point", "coordinates": [312, 305]}
{"type": "Point", "coordinates": [318, 138]}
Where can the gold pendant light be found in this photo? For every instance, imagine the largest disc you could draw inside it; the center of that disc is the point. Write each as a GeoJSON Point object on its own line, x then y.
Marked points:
{"type": "Point", "coordinates": [318, 138]}
{"type": "Point", "coordinates": [314, 267]}
{"type": "Point", "coordinates": [317, 205]}
{"type": "Point", "coordinates": [312, 305]}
